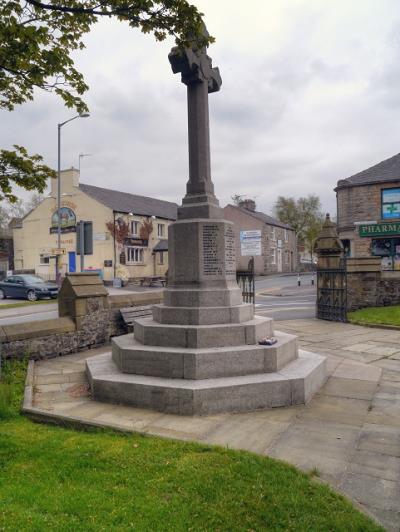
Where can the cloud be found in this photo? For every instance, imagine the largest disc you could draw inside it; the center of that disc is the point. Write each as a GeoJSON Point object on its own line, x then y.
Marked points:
{"type": "Point", "coordinates": [309, 96]}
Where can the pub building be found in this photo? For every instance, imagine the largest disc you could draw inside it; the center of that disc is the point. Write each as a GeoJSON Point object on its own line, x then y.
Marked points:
{"type": "Point", "coordinates": [127, 234]}
{"type": "Point", "coordinates": [368, 213]}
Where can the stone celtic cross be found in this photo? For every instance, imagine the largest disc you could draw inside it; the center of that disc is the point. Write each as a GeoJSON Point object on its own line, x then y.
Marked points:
{"type": "Point", "coordinates": [200, 78]}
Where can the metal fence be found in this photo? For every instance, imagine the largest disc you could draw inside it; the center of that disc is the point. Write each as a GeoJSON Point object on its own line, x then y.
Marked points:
{"type": "Point", "coordinates": [246, 281]}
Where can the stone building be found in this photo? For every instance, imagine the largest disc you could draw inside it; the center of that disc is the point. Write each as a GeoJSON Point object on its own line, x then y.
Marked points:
{"type": "Point", "coordinates": [142, 252]}
{"type": "Point", "coordinates": [272, 243]}
{"type": "Point", "coordinates": [368, 213]}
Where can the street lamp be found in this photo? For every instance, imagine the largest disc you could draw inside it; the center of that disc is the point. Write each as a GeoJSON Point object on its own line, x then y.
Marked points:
{"type": "Point", "coordinates": [59, 126]}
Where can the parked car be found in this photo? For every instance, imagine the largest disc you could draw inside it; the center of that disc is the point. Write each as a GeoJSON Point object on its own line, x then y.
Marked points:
{"type": "Point", "coordinates": [29, 287]}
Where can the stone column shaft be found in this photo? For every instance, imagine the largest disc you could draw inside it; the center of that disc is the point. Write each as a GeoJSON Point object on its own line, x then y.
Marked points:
{"type": "Point", "coordinates": [199, 140]}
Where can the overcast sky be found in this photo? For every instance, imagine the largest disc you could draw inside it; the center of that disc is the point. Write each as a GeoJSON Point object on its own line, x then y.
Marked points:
{"type": "Point", "coordinates": [310, 94]}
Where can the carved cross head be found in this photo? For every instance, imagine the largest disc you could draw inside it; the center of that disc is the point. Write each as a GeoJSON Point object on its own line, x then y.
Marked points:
{"type": "Point", "coordinates": [195, 66]}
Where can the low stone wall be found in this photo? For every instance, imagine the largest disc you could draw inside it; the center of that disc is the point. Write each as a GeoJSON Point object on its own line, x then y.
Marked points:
{"type": "Point", "coordinates": [372, 289]}
{"type": "Point", "coordinates": [61, 336]}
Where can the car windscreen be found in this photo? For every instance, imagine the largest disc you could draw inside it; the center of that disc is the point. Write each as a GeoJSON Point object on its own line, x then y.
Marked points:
{"type": "Point", "coordinates": [32, 279]}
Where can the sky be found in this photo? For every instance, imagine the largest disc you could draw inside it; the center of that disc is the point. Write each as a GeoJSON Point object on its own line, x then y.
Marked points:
{"type": "Point", "coordinates": [310, 95]}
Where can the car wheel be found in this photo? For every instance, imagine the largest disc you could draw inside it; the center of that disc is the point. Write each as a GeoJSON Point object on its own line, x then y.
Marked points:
{"type": "Point", "coordinates": [32, 296]}
{"type": "Point", "coordinates": [2, 294]}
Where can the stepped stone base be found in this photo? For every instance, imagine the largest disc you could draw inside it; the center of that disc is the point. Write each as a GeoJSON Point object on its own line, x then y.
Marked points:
{"type": "Point", "coordinates": [292, 385]}
{"type": "Point", "coordinates": [131, 356]}
{"type": "Point", "coordinates": [150, 332]}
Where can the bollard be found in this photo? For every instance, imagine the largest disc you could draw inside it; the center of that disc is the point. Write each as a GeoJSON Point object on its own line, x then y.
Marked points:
{"type": "Point", "coordinates": [312, 279]}
{"type": "Point", "coordinates": [298, 280]}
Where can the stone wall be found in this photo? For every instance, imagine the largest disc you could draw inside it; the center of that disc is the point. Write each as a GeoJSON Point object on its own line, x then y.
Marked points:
{"type": "Point", "coordinates": [62, 336]}
{"type": "Point", "coordinates": [367, 286]}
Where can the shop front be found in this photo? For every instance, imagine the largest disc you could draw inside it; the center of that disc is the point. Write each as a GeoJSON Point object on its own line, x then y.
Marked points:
{"type": "Point", "coordinates": [385, 243]}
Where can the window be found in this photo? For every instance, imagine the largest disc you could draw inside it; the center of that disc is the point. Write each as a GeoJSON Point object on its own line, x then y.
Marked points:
{"type": "Point", "coordinates": [161, 257]}
{"type": "Point", "coordinates": [160, 229]}
{"type": "Point", "coordinates": [273, 234]}
{"type": "Point", "coordinates": [134, 255]}
{"type": "Point", "coordinates": [44, 259]}
{"type": "Point", "coordinates": [273, 256]}
{"type": "Point", "coordinates": [135, 228]}
{"type": "Point", "coordinates": [391, 203]}
{"type": "Point", "coordinates": [285, 235]}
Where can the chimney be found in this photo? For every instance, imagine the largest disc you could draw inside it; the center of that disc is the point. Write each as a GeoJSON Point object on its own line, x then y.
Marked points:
{"type": "Point", "coordinates": [69, 181]}
{"type": "Point", "coordinates": [248, 204]}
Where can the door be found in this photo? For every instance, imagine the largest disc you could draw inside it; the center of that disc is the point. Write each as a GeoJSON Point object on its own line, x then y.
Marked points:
{"type": "Point", "coordinates": [71, 261]}
{"type": "Point", "coordinates": [279, 260]}
{"type": "Point", "coordinates": [15, 287]}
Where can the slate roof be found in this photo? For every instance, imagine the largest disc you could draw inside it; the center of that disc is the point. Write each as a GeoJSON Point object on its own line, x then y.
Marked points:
{"type": "Point", "coordinates": [161, 246]}
{"type": "Point", "coordinates": [124, 202]}
{"type": "Point", "coordinates": [269, 220]}
{"type": "Point", "coordinates": [383, 172]}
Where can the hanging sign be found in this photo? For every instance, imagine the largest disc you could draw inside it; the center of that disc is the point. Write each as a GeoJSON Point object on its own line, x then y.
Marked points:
{"type": "Point", "coordinates": [379, 229]}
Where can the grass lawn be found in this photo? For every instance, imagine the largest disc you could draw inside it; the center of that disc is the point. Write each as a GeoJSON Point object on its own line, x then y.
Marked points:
{"type": "Point", "coordinates": [376, 315]}
{"type": "Point", "coordinates": [27, 303]}
{"type": "Point", "coordinates": [60, 479]}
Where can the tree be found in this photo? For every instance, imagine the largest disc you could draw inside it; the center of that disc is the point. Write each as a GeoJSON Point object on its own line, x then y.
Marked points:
{"type": "Point", "coordinates": [37, 40]}
{"type": "Point", "coordinates": [302, 214]}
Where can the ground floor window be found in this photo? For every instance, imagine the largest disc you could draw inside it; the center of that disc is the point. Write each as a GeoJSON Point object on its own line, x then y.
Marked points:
{"type": "Point", "coordinates": [389, 250]}
{"type": "Point", "coordinates": [346, 247]}
{"type": "Point", "coordinates": [160, 257]}
{"type": "Point", "coordinates": [134, 255]}
{"type": "Point", "coordinates": [44, 259]}
{"type": "Point", "coordinates": [273, 256]}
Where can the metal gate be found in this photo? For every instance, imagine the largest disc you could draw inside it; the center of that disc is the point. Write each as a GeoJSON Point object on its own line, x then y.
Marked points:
{"type": "Point", "coordinates": [332, 294]}
{"type": "Point", "coordinates": [246, 281]}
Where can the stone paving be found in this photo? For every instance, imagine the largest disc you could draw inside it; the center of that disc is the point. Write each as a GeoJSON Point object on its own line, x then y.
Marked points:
{"type": "Point", "coordinates": [349, 432]}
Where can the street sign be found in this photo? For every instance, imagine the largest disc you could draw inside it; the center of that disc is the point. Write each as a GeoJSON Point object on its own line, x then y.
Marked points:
{"type": "Point", "coordinates": [250, 243]}
{"type": "Point", "coordinates": [58, 251]}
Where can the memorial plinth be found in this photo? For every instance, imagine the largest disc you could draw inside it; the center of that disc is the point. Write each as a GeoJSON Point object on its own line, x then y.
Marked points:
{"type": "Point", "coordinates": [199, 353]}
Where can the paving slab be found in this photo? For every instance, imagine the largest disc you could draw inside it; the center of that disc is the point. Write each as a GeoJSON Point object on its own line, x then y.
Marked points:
{"type": "Point", "coordinates": [349, 431]}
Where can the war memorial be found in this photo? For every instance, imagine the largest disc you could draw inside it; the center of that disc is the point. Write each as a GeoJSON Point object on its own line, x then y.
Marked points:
{"type": "Point", "coordinates": [200, 351]}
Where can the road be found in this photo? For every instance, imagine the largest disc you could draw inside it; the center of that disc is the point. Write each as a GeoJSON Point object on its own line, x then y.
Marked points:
{"type": "Point", "coordinates": [277, 296]}
{"type": "Point", "coordinates": [281, 298]}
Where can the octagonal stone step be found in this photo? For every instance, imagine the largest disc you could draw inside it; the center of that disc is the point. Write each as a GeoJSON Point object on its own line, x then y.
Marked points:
{"type": "Point", "coordinates": [203, 315]}
{"type": "Point", "coordinates": [150, 332]}
{"type": "Point", "coordinates": [131, 356]}
{"type": "Point", "coordinates": [294, 384]}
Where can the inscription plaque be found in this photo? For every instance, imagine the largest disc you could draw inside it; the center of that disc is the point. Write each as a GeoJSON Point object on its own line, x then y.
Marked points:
{"type": "Point", "coordinates": [230, 260]}
{"type": "Point", "coordinates": [212, 263]}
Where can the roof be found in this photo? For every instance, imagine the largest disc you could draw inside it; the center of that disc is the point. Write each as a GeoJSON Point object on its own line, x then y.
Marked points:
{"type": "Point", "coordinates": [125, 203]}
{"type": "Point", "coordinates": [161, 246]}
{"type": "Point", "coordinates": [269, 220]}
{"type": "Point", "coordinates": [383, 172]}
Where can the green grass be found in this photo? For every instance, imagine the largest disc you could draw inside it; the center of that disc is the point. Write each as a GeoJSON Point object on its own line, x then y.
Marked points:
{"type": "Point", "coordinates": [376, 315]}
{"type": "Point", "coordinates": [64, 480]}
{"type": "Point", "coordinates": [27, 303]}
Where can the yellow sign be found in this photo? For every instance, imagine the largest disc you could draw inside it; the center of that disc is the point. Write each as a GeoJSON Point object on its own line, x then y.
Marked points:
{"type": "Point", "coordinates": [58, 251]}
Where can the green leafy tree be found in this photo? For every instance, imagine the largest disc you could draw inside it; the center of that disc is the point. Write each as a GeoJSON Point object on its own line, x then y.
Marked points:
{"type": "Point", "coordinates": [37, 40]}
{"type": "Point", "coordinates": [303, 215]}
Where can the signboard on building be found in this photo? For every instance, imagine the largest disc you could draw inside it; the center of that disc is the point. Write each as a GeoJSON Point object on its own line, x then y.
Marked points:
{"type": "Point", "coordinates": [370, 230]}
{"type": "Point", "coordinates": [250, 243]}
{"type": "Point", "coordinates": [136, 242]}
{"type": "Point", "coordinates": [391, 203]}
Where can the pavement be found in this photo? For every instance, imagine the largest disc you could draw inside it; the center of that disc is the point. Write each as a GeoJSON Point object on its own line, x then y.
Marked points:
{"type": "Point", "coordinates": [349, 433]}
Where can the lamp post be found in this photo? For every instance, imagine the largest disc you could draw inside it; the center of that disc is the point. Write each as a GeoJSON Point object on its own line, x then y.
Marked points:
{"type": "Point", "coordinates": [59, 126]}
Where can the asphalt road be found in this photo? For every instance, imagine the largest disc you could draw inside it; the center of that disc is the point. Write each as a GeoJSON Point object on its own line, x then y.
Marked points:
{"type": "Point", "coordinates": [281, 298]}
{"type": "Point", "coordinates": [277, 296]}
